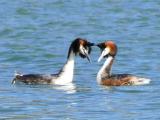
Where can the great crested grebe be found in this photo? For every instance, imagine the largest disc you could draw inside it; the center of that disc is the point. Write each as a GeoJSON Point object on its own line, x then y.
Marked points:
{"type": "Point", "coordinates": [79, 47]}
{"type": "Point", "coordinates": [104, 76]}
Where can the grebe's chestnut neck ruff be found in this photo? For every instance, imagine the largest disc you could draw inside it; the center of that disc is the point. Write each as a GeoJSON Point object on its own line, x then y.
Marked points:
{"type": "Point", "coordinates": [104, 76]}
{"type": "Point", "coordinates": [79, 47]}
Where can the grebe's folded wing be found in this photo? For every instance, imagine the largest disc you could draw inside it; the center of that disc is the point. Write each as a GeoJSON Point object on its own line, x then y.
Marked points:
{"type": "Point", "coordinates": [35, 78]}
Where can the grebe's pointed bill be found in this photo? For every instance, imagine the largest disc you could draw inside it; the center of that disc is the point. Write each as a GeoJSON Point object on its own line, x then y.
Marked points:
{"type": "Point", "coordinates": [89, 50]}
{"type": "Point", "coordinates": [104, 53]}
{"type": "Point", "coordinates": [88, 58]}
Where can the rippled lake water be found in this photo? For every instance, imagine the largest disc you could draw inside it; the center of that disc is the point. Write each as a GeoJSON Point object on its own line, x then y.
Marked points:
{"type": "Point", "coordinates": [35, 36]}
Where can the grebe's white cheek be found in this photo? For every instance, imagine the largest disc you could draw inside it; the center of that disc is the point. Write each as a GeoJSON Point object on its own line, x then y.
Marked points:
{"type": "Point", "coordinates": [82, 50]}
{"type": "Point", "coordinates": [104, 53]}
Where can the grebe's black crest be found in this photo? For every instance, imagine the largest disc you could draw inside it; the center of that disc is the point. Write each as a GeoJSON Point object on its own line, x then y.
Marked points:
{"type": "Point", "coordinates": [101, 46]}
{"type": "Point", "coordinates": [78, 45]}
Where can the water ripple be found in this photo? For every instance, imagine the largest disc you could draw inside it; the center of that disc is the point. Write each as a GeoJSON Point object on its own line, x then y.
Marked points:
{"type": "Point", "coordinates": [35, 37]}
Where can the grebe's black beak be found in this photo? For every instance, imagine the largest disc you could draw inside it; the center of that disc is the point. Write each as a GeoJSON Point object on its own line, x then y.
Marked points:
{"type": "Point", "coordinates": [87, 56]}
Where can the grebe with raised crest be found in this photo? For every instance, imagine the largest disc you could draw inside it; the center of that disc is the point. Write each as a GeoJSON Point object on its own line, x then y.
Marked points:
{"type": "Point", "coordinates": [104, 76]}
{"type": "Point", "coordinates": [79, 47]}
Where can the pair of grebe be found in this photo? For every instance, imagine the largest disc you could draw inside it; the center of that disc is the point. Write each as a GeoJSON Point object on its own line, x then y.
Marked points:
{"type": "Point", "coordinates": [82, 48]}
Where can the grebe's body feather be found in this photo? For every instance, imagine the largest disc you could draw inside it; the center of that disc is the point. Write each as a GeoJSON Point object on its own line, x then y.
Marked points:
{"type": "Point", "coordinates": [104, 76]}
{"type": "Point", "coordinates": [78, 47]}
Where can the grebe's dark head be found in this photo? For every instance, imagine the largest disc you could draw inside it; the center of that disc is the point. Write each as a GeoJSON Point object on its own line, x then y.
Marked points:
{"type": "Point", "coordinates": [108, 48]}
{"type": "Point", "coordinates": [81, 47]}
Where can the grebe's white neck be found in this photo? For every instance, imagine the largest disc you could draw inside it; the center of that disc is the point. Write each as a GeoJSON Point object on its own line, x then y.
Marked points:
{"type": "Point", "coordinates": [105, 70]}
{"type": "Point", "coordinates": [66, 74]}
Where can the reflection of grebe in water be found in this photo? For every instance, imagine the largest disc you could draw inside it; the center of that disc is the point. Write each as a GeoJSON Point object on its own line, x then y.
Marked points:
{"type": "Point", "coordinates": [79, 47]}
{"type": "Point", "coordinates": [104, 76]}
{"type": "Point", "coordinates": [69, 88]}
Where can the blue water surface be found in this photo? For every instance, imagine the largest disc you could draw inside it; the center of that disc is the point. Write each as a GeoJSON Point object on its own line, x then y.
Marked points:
{"type": "Point", "coordinates": [35, 36]}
